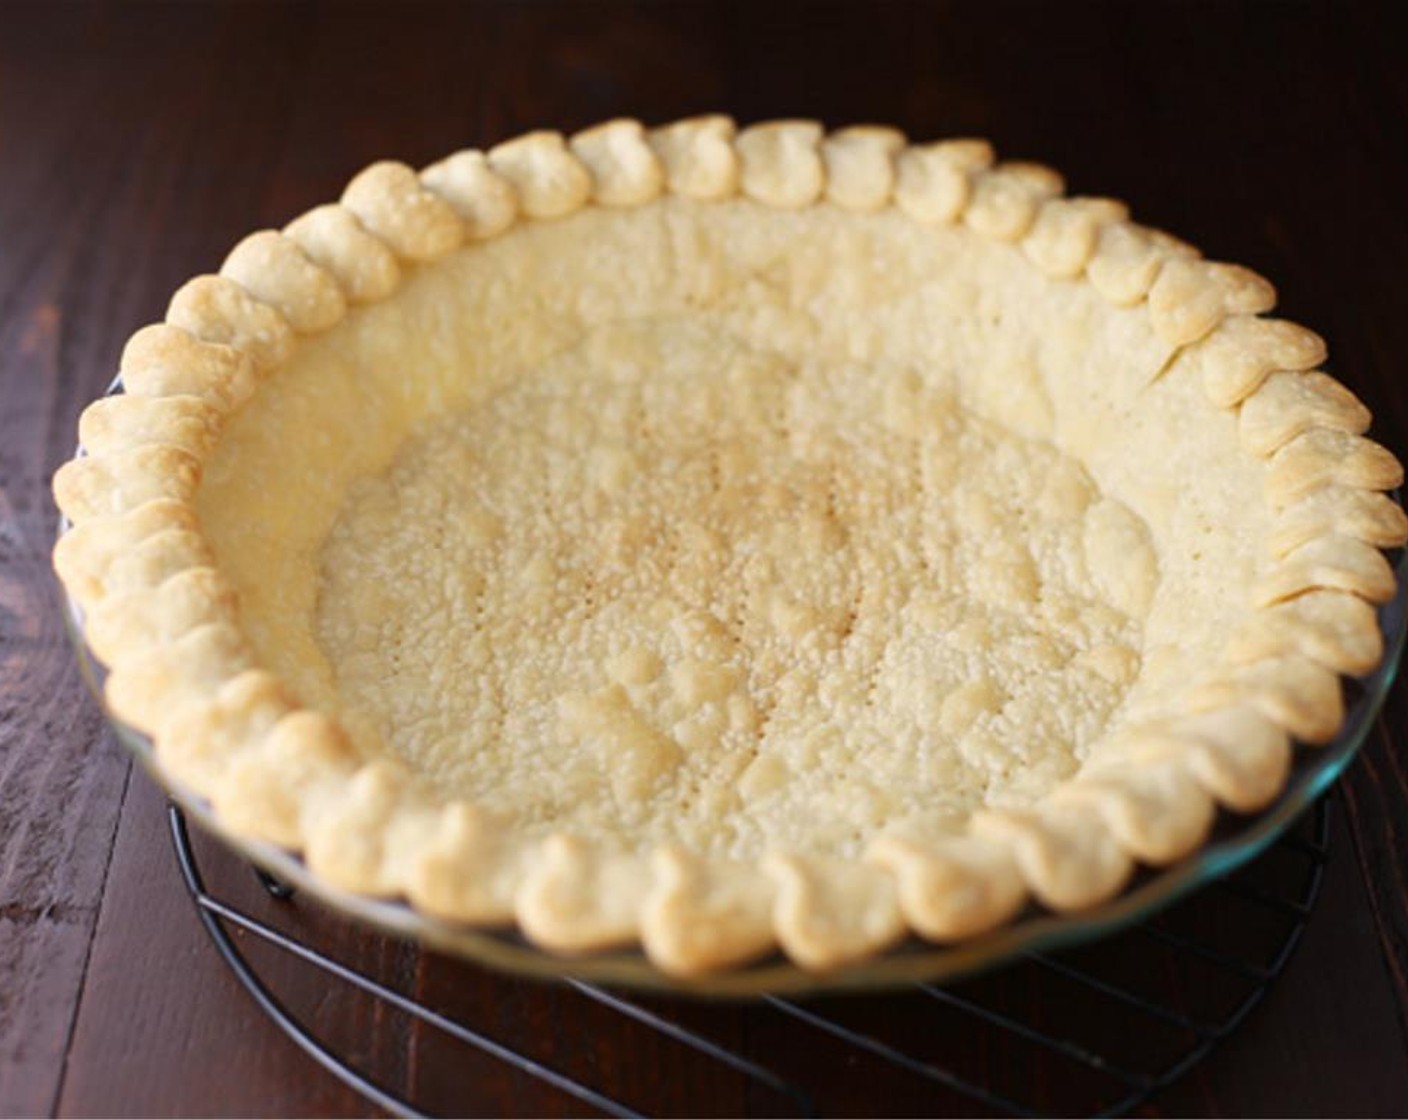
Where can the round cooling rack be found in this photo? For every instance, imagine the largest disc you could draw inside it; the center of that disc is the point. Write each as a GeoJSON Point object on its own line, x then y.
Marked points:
{"type": "Point", "coordinates": [1235, 842]}
{"type": "Point", "coordinates": [1098, 1030]}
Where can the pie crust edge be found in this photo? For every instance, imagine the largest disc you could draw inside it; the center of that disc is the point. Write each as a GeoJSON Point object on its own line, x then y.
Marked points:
{"type": "Point", "coordinates": [160, 614]}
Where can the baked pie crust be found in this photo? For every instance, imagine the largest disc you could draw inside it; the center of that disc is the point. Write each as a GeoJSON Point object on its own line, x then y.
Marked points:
{"type": "Point", "coordinates": [727, 540]}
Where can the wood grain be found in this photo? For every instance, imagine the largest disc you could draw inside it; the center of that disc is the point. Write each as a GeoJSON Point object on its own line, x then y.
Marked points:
{"type": "Point", "coordinates": [138, 142]}
{"type": "Point", "coordinates": [62, 785]}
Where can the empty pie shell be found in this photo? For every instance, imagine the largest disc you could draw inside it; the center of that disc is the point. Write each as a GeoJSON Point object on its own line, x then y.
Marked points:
{"type": "Point", "coordinates": [727, 541]}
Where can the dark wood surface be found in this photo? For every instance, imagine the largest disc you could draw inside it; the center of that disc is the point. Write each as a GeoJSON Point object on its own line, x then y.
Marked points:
{"type": "Point", "coordinates": [138, 143]}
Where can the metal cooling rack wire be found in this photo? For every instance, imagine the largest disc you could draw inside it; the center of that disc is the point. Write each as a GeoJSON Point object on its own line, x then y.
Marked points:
{"type": "Point", "coordinates": [1131, 1087]}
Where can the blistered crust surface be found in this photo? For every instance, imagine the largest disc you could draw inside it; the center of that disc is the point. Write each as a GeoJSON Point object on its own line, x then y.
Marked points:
{"type": "Point", "coordinates": [931, 287]}
{"type": "Point", "coordinates": [678, 608]}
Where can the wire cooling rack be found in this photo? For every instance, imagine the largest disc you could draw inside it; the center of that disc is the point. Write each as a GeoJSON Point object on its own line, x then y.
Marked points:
{"type": "Point", "coordinates": [1093, 1031]}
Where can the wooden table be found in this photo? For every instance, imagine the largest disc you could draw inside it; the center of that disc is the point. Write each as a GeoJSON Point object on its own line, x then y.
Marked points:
{"type": "Point", "coordinates": [138, 143]}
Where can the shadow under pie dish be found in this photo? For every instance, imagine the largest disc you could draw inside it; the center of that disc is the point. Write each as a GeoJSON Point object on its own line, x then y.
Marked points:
{"type": "Point", "coordinates": [727, 541]}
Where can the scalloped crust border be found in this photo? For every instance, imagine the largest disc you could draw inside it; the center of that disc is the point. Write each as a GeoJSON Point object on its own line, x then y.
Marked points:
{"type": "Point", "coordinates": [159, 613]}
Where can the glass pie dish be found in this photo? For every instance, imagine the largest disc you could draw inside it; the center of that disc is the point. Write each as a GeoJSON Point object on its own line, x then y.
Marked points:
{"type": "Point", "coordinates": [729, 541]}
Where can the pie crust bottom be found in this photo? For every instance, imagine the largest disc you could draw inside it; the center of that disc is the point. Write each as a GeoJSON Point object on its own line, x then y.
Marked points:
{"type": "Point", "coordinates": [668, 586]}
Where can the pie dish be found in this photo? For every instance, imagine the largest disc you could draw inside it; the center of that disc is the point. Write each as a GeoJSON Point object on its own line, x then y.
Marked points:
{"type": "Point", "coordinates": [727, 541]}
